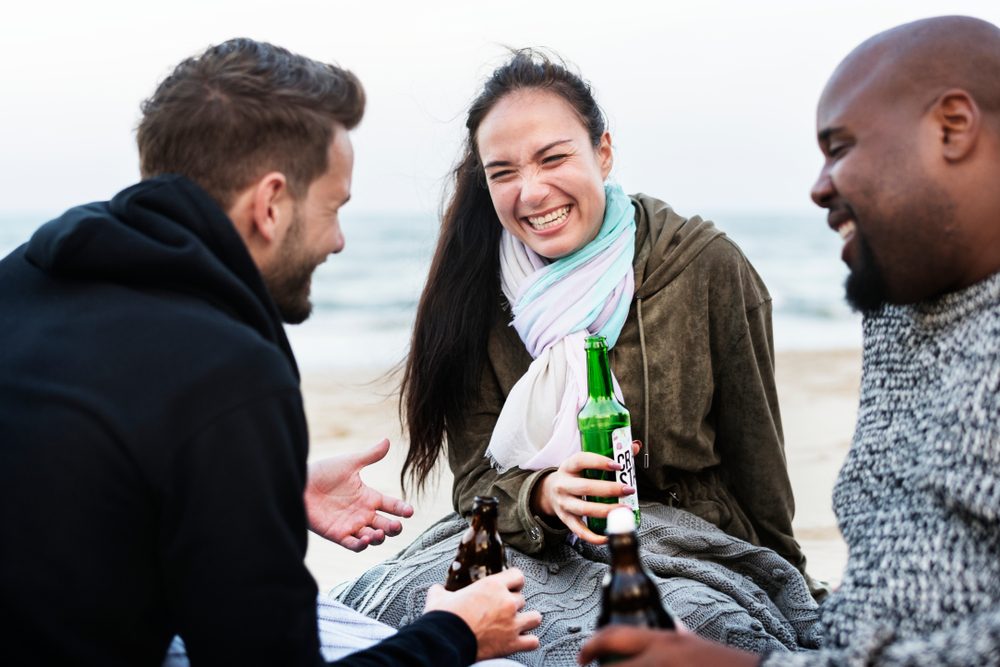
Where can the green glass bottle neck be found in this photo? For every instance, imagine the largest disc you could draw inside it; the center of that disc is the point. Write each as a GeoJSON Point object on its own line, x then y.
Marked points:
{"type": "Point", "coordinates": [598, 373]}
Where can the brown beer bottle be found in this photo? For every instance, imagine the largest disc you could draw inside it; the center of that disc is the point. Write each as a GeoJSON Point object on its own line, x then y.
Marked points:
{"type": "Point", "coordinates": [481, 552]}
{"type": "Point", "coordinates": [629, 596]}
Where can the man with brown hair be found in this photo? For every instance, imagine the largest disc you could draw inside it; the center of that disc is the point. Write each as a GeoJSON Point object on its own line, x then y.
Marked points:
{"type": "Point", "coordinates": [909, 126]}
{"type": "Point", "coordinates": [152, 437]}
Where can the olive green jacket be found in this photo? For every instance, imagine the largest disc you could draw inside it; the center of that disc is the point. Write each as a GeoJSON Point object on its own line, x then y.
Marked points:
{"type": "Point", "coordinates": [695, 362]}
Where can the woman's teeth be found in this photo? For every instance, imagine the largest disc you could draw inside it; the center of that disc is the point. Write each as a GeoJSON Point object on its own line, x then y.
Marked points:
{"type": "Point", "coordinates": [550, 219]}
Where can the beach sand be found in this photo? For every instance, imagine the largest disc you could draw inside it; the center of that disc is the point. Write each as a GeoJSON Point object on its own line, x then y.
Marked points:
{"type": "Point", "coordinates": [818, 393]}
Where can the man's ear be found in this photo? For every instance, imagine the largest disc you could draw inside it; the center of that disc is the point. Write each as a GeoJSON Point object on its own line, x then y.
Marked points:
{"type": "Point", "coordinates": [958, 117]}
{"type": "Point", "coordinates": [271, 200]}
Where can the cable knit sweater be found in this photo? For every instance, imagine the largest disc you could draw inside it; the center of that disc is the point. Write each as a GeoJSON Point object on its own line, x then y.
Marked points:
{"type": "Point", "coordinates": [918, 499]}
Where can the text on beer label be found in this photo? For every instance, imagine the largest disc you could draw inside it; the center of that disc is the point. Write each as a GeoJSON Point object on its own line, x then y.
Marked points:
{"type": "Point", "coordinates": [621, 443]}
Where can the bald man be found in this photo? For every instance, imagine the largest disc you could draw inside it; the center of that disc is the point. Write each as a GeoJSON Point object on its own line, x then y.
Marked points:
{"type": "Point", "coordinates": [909, 125]}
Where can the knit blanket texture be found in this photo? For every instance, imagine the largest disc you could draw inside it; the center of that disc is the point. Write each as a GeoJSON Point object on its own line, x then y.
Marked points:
{"type": "Point", "coordinates": [721, 587]}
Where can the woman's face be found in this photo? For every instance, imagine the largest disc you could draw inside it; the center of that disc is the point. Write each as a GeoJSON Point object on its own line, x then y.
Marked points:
{"type": "Point", "coordinates": [545, 177]}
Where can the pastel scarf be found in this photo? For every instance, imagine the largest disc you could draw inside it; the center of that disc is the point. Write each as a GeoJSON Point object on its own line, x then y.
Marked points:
{"type": "Point", "coordinates": [556, 305]}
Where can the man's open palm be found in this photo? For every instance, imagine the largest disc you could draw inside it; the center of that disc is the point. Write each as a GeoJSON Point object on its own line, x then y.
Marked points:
{"type": "Point", "coordinates": [343, 509]}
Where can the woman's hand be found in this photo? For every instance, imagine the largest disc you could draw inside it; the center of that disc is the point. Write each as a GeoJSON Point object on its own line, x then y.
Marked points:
{"type": "Point", "coordinates": [561, 493]}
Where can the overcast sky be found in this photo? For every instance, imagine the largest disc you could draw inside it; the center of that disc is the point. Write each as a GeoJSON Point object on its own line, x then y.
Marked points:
{"type": "Point", "coordinates": [711, 103]}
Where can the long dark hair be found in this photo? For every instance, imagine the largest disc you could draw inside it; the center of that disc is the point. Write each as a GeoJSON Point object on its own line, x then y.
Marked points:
{"type": "Point", "coordinates": [462, 296]}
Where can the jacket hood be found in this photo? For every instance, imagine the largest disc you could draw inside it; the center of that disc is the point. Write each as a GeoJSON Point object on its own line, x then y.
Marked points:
{"type": "Point", "coordinates": [164, 234]}
{"type": "Point", "coordinates": [666, 243]}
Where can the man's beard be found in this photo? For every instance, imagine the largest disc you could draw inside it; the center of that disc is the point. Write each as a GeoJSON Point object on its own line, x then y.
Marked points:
{"type": "Point", "coordinates": [865, 285]}
{"type": "Point", "coordinates": [290, 277]}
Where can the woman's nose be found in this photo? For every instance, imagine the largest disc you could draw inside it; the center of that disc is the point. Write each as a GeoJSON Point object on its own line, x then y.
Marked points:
{"type": "Point", "coordinates": [534, 190]}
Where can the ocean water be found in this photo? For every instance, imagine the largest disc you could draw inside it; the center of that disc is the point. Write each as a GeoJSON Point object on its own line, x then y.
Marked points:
{"type": "Point", "coordinates": [365, 297]}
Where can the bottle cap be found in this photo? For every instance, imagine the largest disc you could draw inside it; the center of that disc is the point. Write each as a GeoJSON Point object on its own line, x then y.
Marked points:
{"type": "Point", "coordinates": [620, 520]}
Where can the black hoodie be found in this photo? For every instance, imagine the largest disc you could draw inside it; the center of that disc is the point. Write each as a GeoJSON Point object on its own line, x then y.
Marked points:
{"type": "Point", "coordinates": [153, 447]}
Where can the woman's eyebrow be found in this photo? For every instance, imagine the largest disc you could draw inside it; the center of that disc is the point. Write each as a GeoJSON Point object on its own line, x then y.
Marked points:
{"type": "Point", "coordinates": [538, 153]}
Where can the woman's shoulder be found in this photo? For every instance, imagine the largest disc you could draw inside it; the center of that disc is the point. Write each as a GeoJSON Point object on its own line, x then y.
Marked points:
{"type": "Point", "coordinates": [670, 245]}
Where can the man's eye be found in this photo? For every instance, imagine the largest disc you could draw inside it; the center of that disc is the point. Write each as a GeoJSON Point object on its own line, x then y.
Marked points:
{"type": "Point", "coordinates": [836, 150]}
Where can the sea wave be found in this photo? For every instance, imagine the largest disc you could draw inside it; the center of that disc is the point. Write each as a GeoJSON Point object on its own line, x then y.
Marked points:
{"type": "Point", "coordinates": [365, 298]}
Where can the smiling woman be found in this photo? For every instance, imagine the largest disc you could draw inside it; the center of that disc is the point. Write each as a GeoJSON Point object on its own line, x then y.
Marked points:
{"type": "Point", "coordinates": [544, 175]}
{"type": "Point", "coordinates": [537, 250]}
{"type": "Point", "coordinates": [692, 339]}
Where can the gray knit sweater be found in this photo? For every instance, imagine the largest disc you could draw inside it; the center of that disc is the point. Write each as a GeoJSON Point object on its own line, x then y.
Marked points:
{"type": "Point", "coordinates": [918, 499]}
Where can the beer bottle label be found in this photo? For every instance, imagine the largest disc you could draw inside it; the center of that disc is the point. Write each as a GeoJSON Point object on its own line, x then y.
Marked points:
{"type": "Point", "coordinates": [621, 444]}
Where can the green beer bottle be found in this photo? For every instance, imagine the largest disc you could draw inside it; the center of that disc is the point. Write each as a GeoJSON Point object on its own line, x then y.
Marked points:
{"type": "Point", "coordinates": [605, 429]}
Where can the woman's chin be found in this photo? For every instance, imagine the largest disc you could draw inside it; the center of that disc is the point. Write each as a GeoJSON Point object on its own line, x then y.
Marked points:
{"type": "Point", "coordinates": [556, 246]}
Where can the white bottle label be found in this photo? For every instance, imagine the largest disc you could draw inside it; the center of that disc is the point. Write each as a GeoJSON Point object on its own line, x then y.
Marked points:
{"type": "Point", "coordinates": [621, 443]}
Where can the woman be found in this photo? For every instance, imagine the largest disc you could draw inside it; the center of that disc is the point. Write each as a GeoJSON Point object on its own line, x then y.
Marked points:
{"type": "Point", "coordinates": [534, 238]}
{"type": "Point", "coordinates": [688, 319]}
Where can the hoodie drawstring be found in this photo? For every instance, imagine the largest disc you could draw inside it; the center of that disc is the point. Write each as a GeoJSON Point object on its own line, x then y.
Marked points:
{"type": "Point", "coordinates": [645, 386]}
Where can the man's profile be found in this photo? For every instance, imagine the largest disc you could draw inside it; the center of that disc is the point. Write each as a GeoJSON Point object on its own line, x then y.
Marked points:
{"type": "Point", "coordinates": [909, 127]}
{"type": "Point", "coordinates": [152, 437]}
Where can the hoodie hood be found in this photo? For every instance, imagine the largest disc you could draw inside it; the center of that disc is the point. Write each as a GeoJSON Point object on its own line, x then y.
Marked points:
{"type": "Point", "coordinates": [165, 234]}
{"type": "Point", "coordinates": [666, 243]}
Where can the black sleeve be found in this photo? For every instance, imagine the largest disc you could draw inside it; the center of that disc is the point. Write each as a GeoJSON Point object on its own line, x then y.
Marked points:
{"type": "Point", "coordinates": [233, 538]}
{"type": "Point", "coordinates": [436, 639]}
{"type": "Point", "coordinates": [233, 544]}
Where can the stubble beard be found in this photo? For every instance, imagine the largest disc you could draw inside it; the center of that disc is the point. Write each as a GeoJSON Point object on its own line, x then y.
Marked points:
{"type": "Point", "coordinates": [865, 286]}
{"type": "Point", "coordinates": [290, 279]}
{"type": "Point", "coordinates": [916, 260]}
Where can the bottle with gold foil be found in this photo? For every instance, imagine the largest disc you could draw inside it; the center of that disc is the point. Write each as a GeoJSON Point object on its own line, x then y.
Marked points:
{"type": "Point", "coordinates": [605, 429]}
{"type": "Point", "coordinates": [481, 552]}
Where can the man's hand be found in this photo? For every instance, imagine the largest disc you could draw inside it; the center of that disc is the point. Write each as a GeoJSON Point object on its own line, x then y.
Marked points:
{"type": "Point", "coordinates": [491, 607]}
{"type": "Point", "coordinates": [343, 509]}
{"type": "Point", "coordinates": [643, 647]}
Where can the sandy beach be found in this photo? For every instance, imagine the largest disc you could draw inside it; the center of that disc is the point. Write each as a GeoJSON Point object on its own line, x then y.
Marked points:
{"type": "Point", "coordinates": [818, 392]}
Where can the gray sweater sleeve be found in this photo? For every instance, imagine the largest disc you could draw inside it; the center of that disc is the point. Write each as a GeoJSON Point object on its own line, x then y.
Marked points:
{"type": "Point", "coordinates": [974, 642]}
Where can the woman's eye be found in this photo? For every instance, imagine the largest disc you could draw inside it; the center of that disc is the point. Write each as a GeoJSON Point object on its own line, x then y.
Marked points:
{"type": "Point", "coordinates": [552, 159]}
{"type": "Point", "coordinates": [498, 175]}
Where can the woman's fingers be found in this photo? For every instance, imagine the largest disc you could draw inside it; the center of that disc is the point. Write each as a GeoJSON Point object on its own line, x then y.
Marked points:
{"type": "Point", "coordinates": [581, 508]}
{"type": "Point", "coordinates": [588, 461]}
{"type": "Point", "coordinates": [581, 486]}
{"type": "Point", "coordinates": [580, 529]}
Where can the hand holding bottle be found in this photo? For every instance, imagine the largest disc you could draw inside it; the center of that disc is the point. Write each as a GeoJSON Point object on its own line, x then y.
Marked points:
{"type": "Point", "coordinates": [563, 493]}
{"type": "Point", "coordinates": [491, 607]}
{"type": "Point", "coordinates": [651, 647]}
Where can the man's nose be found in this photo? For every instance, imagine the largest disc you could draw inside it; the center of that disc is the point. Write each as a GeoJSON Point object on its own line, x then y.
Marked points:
{"type": "Point", "coordinates": [338, 239]}
{"type": "Point", "coordinates": [823, 190]}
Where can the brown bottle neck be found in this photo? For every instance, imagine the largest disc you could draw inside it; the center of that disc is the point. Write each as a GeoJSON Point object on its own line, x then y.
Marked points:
{"type": "Point", "coordinates": [624, 551]}
{"type": "Point", "coordinates": [484, 515]}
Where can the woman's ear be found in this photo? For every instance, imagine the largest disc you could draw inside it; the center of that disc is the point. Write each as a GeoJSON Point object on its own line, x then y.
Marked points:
{"type": "Point", "coordinates": [605, 156]}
